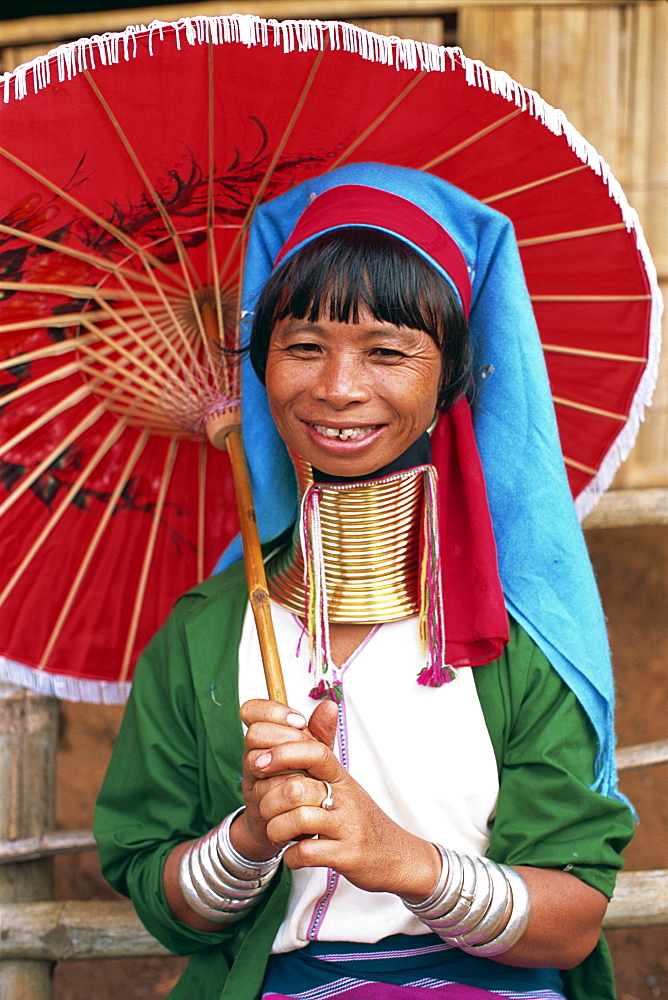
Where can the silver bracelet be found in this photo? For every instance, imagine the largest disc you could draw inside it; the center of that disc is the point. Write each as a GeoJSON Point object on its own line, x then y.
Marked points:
{"type": "Point", "coordinates": [447, 893]}
{"type": "Point", "coordinates": [482, 897]}
{"type": "Point", "coordinates": [460, 911]}
{"type": "Point", "coordinates": [497, 910]}
{"type": "Point", "coordinates": [234, 862]}
{"type": "Point", "coordinates": [475, 897]}
{"type": "Point", "coordinates": [193, 899]}
{"type": "Point", "coordinates": [210, 875]}
{"type": "Point", "coordinates": [445, 876]}
{"type": "Point", "coordinates": [520, 911]}
{"type": "Point", "coordinates": [218, 894]}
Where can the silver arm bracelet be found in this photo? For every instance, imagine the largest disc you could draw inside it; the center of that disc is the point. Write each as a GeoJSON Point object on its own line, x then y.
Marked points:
{"type": "Point", "coordinates": [460, 911]}
{"type": "Point", "coordinates": [234, 862]}
{"type": "Point", "coordinates": [445, 876]}
{"type": "Point", "coordinates": [193, 899]}
{"type": "Point", "coordinates": [474, 897]}
{"type": "Point", "coordinates": [517, 924]}
{"type": "Point", "coordinates": [210, 876]}
{"type": "Point", "coordinates": [497, 908]}
{"type": "Point", "coordinates": [447, 893]}
{"type": "Point", "coordinates": [217, 894]}
{"type": "Point", "coordinates": [477, 909]}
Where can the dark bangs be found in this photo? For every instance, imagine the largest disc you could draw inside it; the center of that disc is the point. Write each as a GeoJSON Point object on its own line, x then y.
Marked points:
{"type": "Point", "coordinates": [341, 273]}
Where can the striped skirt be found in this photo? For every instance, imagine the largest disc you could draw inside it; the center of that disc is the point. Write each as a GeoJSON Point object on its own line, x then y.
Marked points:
{"type": "Point", "coordinates": [401, 968]}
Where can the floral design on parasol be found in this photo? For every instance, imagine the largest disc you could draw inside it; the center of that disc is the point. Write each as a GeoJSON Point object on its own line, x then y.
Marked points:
{"type": "Point", "coordinates": [131, 165]}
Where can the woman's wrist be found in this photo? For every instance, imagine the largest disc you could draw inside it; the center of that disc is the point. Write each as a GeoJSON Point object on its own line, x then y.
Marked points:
{"type": "Point", "coordinates": [246, 844]}
{"type": "Point", "coordinates": [217, 881]}
{"type": "Point", "coordinates": [423, 874]}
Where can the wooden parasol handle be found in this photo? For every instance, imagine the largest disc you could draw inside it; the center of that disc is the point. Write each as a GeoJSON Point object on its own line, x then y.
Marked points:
{"type": "Point", "coordinates": [224, 431]}
{"type": "Point", "coordinates": [228, 435]}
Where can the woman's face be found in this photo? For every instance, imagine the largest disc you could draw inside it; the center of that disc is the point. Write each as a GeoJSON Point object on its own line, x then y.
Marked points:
{"type": "Point", "coordinates": [351, 397]}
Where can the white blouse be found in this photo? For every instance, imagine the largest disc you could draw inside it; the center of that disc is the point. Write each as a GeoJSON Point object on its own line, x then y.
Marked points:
{"type": "Point", "coordinates": [422, 753]}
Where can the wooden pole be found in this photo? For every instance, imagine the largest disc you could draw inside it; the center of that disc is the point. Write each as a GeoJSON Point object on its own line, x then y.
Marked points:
{"type": "Point", "coordinates": [223, 429]}
{"type": "Point", "coordinates": [227, 435]}
{"type": "Point", "coordinates": [28, 732]}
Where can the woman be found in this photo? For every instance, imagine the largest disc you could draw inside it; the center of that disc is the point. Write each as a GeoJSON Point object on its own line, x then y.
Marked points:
{"type": "Point", "coordinates": [356, 856]}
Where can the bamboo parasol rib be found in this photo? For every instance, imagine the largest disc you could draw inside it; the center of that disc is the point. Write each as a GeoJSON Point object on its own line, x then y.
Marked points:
{"type": "Point", "coordinates": [57, 514]}
{"type": "Point", "coordinates": [446, 154]}
{"type": "Point", "coordinates": [530, 185]}
{"type": "Point", "coordinates": [148, 555]}
{"type": "Point", "coordinates": [109, 227]}
{"type": "Point", "coordinates": [125, 474]}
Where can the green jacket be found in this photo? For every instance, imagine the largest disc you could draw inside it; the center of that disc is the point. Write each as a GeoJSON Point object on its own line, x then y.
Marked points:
{"type": "Point", "coordinates": [175, 773]}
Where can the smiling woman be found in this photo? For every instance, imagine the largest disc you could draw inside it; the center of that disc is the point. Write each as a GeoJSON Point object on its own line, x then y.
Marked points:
{"type": "Point", "coordinates": [340, 273]}
{"type": "Point", "coordinates": [363, 358]}
{"type": "Point", "coordinates": [392, 833]}
{"type": "Point", "coordinates": [350, 398]}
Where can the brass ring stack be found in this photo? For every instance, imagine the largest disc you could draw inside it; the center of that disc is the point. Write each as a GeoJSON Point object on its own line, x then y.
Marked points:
{"type": "Point", "coordinates": [217, 882]}
{"type": "Point", "coordinates": [478, 906]}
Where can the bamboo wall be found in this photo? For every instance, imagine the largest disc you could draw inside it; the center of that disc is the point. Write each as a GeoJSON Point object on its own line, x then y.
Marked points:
{"type": "Point", "coordinates": [606, 65]}
{"type": "Point", "coordinates": [603, 62]}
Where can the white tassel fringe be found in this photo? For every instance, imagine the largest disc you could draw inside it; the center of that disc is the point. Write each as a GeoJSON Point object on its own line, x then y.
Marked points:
{"type": "Point", "coordinates": [64, 687]}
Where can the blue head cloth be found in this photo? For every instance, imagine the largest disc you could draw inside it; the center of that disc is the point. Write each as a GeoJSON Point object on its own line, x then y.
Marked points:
{"type": "Point", "coordinates": [544, 566]}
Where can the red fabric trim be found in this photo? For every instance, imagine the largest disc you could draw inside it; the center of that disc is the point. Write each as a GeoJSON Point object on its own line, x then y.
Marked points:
{"type": "Point", "coordinates": [358, 205]}
{"type": "Point", "coordinates": [476, 621]}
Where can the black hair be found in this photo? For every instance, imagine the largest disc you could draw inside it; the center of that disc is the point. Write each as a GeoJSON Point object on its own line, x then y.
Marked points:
{"type": "Point", "coordinates": [348, 269]}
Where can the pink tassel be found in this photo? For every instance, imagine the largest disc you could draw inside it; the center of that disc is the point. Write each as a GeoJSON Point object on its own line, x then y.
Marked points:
{"type": "Point", "coordinates": [324, 689]}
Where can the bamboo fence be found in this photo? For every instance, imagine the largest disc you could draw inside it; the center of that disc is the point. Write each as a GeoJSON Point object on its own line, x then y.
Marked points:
{"type": "Point", "coordinates": [605, 65]}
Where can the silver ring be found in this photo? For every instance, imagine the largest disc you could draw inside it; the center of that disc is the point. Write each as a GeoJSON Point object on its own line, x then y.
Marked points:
{"type": "Point", "coordinates": [328, 801]}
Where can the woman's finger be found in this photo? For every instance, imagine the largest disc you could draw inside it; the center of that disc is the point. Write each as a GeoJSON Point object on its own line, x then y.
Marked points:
{"type": "Point", "coordinates": [284, 793]}
{"type": "Point", "coordinates": [302, 822]}
{"type": "Point", "coordinates": [324, 722]}
{"type": "Point", "coordinates": [304, 755]}
{"type": "Point", "coordinates": [263, 710]}
{"type": "Point", "coordinates": [264, 735]}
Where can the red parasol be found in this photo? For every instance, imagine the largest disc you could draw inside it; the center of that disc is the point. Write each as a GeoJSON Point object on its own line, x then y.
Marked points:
{"type": "Point", "coordinates": [130, 167]}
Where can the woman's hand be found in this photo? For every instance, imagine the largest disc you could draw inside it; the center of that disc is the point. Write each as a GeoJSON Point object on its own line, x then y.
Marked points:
{"type": "Point", "coordinates": [268, 724]}
{"type": "Point", "coordinates": [283, 781]}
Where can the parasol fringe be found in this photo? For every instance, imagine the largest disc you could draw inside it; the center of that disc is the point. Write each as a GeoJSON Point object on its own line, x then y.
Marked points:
{"type": "Point", "coordinates": [249, 29]}
{"type": "Point", "coordinates": [62, 686]}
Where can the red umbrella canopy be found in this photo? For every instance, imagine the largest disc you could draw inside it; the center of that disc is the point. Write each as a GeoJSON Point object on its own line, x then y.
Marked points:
{"type": "Point", "coordinates": [130, 168]}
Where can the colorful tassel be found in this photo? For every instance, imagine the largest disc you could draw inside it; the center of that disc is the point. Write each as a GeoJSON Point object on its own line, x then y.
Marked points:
{"type": "Point", "coordinates": [316, 610]}
{"type": "Point", "coordinates": [431, 618]}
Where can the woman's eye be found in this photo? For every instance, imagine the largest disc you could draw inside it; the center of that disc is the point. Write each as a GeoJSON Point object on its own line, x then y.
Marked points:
{"type": "Point", "coordinates": [387, 354]}
{"type": "Point", "coordinates": [304, 348]}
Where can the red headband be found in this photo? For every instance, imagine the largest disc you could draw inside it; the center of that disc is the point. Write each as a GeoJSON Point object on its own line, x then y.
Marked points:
{"type": "Point", "coordinates": [358, 205]}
